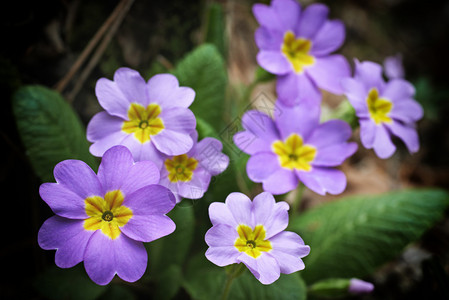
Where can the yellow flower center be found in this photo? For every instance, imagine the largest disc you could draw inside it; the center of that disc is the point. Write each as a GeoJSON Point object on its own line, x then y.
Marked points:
{"type": "Point", "coordinates": [180, 168]}
{"type": "Point", "coordinates": [378, 108]}
{"type": "Point", "coordinates": [143, 122]}
{"type": "Point", "coordinates": [252, 242]}
{"type": "Point", "coordinates": [107, 214]}
{"type": "Point", "coordinates": [293, 154]}
{"type": "Point", "coordinates": [297, 51]}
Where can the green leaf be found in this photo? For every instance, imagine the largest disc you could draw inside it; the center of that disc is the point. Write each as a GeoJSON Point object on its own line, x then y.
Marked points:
{"type": "Point", "coordinates": [204, 71]}
{"type": "Point", "coordinates": [216, 28]}
{"type": "Point", "coordinates": [168, 283]}
{"type": "Point", "coordinates": [73, 283]}
{"type": "Point", "coordinates": [354, 236]}
{"type": "Point", "coordinates": [50, 130]}
{"type": "Point", "coordinates": [205, 280]}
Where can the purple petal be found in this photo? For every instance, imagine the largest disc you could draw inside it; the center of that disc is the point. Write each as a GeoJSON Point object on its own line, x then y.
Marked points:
{"type": "Point", "coordinates": [398, 89]}
{"type": "Point", "coordinates": [367, 132]}
{"type": "Point", "coordinates": [357, 94]}
{"type": "Point", "coordinates": [164, 90]}
{"type": "Point", "coordinates": [208, 153]}
{"type": "Point", "coordinates": [383, 146]}
{"type": "Point", "coordinates": [407, 111]}
{"type": "Point", "coordinates": [132, 86]}
{"type": "Point", "coordinates": [178, 119]}
{"type": "Point", "coordinates": [105, 257]}
{"type": "Point", "coordinates": [261, 125]}
{"type": "Point", "coordinates": [141, 152]}
{"type": "Point", "coordinates": [262, 165]}
{"type": "Point", "coordinates": [221, 235]}
{"type": "Point", "coordinates": [102, 125]}
{"type": "Point", "coordinates": [99, 147]}
{"type": "Point", "coordinates": [273, 216]}
{"type": "Point", "coordinates": [330, 140]}
{"type": "Point", "coordinates": [240, 207]}
{"type": "Point", "coordinates": [407, 134]}
{"type": "Point", "coordinates": [294, 88]}
{"type": "Point", "coordinates": [327, 72]}
{"type": "Point", "coordinates": [334, 155]}
{"type": "Point", "coordinates": [265, 268]}
{"type": "Point", "coordinates": [289, 12]}
{"type": "Point", "coordinates": [312, 20]}
{"type": "Point", "coordinates": [288, 248]}
{"type": "Point", "coordinates": [329, 133]}
{"type": "Point", "coordinates": [197, 186]}
{"type": "Point", "coordinates": [267, 17]}
{"type": "Point", "coordinates": [118, 171]}
{"type": "Point", "coordinates": [370, 74]}
{"type": "Point", "coordinates": [222, 256]}
{"type": "Point", "coordinates": [268, 40]}
{"type": "Point", "coordinates": [67, 236]}
{"type": "Point", "coordinates": [78, 177]}
{"type": "Point", "coordinates": [393, 67]}
{"type": "Point", "coordinates": [306, 118]}
{"type": "Point", "coordinates": [290, 243]}
{"type": "Point", "coordinates": [274, 62]}
{"type": "Point", "coordinates": [172, 143]}
{"type": "Point", "coordinates": [150, 200]}
{"type": "Point", "coordinates": [111, 98]}
{"type": "Point", "coordinates": [329, 38]}
{"type": "Point", "coordinates": [219, 213]}
{"type": "Point", "coordinates": [250, 144]}
{"type": "Point", "coordinates": [280, 182]}
{"type": "Point", "coordinates": [148, 228]}
{"type": "Point", "coordinates": [63, 201]}
{"type": "Point", "coordinates": [324, 180]}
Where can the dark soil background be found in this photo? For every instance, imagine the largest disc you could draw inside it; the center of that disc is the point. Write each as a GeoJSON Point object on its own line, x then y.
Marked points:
{"type": "Point", "coordinates": [42, 39]}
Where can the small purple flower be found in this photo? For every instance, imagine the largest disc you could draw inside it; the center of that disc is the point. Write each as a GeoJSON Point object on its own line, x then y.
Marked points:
{"type": "Point", "coordinates": [383, 109]}
{"type": "Point", "coordinates": [295, 147]}
{"type": "Point", "coordinates": [252, 232]}
{"type": "Point", "coordinates": [357, 286]}
{"type": "Point", "coordinates": [148, 118]}
{"type": "Point", "coordinates": [103, 219]}
{"type": "Point", "coordinates": [188, 175]}
{"type": "Point", "coordinates": [296, 45]}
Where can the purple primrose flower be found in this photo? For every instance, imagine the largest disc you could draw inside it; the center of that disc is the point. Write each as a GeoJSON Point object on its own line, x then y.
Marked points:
{"type": "Point", "coordinates": [296, 45]}
{"type": "Point", "coordinates": [295, 147]}
{"type": "Point", "coordinates": [102, 219]}
{"type": "Point", "coordinates": [383, 109]}
{"type": "Point", "coordinates": [252, 232]}
{"type": "Point", "coordinates": [188, 175]}
{"type": "Point", "coordinates": [148, 118]}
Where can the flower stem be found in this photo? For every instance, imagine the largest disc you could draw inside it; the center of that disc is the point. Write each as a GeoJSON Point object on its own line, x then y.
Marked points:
{"type": "Point", "coordinates": [297, 201]}
{"type": "Point", "coordinates": [234, 271]}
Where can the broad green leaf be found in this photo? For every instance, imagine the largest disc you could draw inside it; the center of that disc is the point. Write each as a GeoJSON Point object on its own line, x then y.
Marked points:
{"type": "Point", "coordinates": [50, 130]}
{"type": "Point", "coordinates": [73, 283]}
{"type": "Point", "coordinates": [216, 28]}
{"type": "Point", "coordinates": [118, 292]}
{"type": "Point", "coordinates": [204, 71]}
{"type": "Point", "coordinates": [168, 283]}
{"type": "Point", "coordinates": [354, 236]}
{"type": "Point", "coordinates": [205, 280]}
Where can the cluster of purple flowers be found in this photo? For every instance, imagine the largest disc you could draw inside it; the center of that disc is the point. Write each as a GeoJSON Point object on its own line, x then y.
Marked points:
{"type": "Point", "coordinates": [151, 156]}
{"type": "Point", "coordinates": [150, 160]}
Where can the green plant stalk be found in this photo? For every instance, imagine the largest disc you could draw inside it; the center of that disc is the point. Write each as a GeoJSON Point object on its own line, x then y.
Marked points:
{"type": "Point", "coordinates": [235, 271]}
{"type": "Point", "coordinates": [297, 201]}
